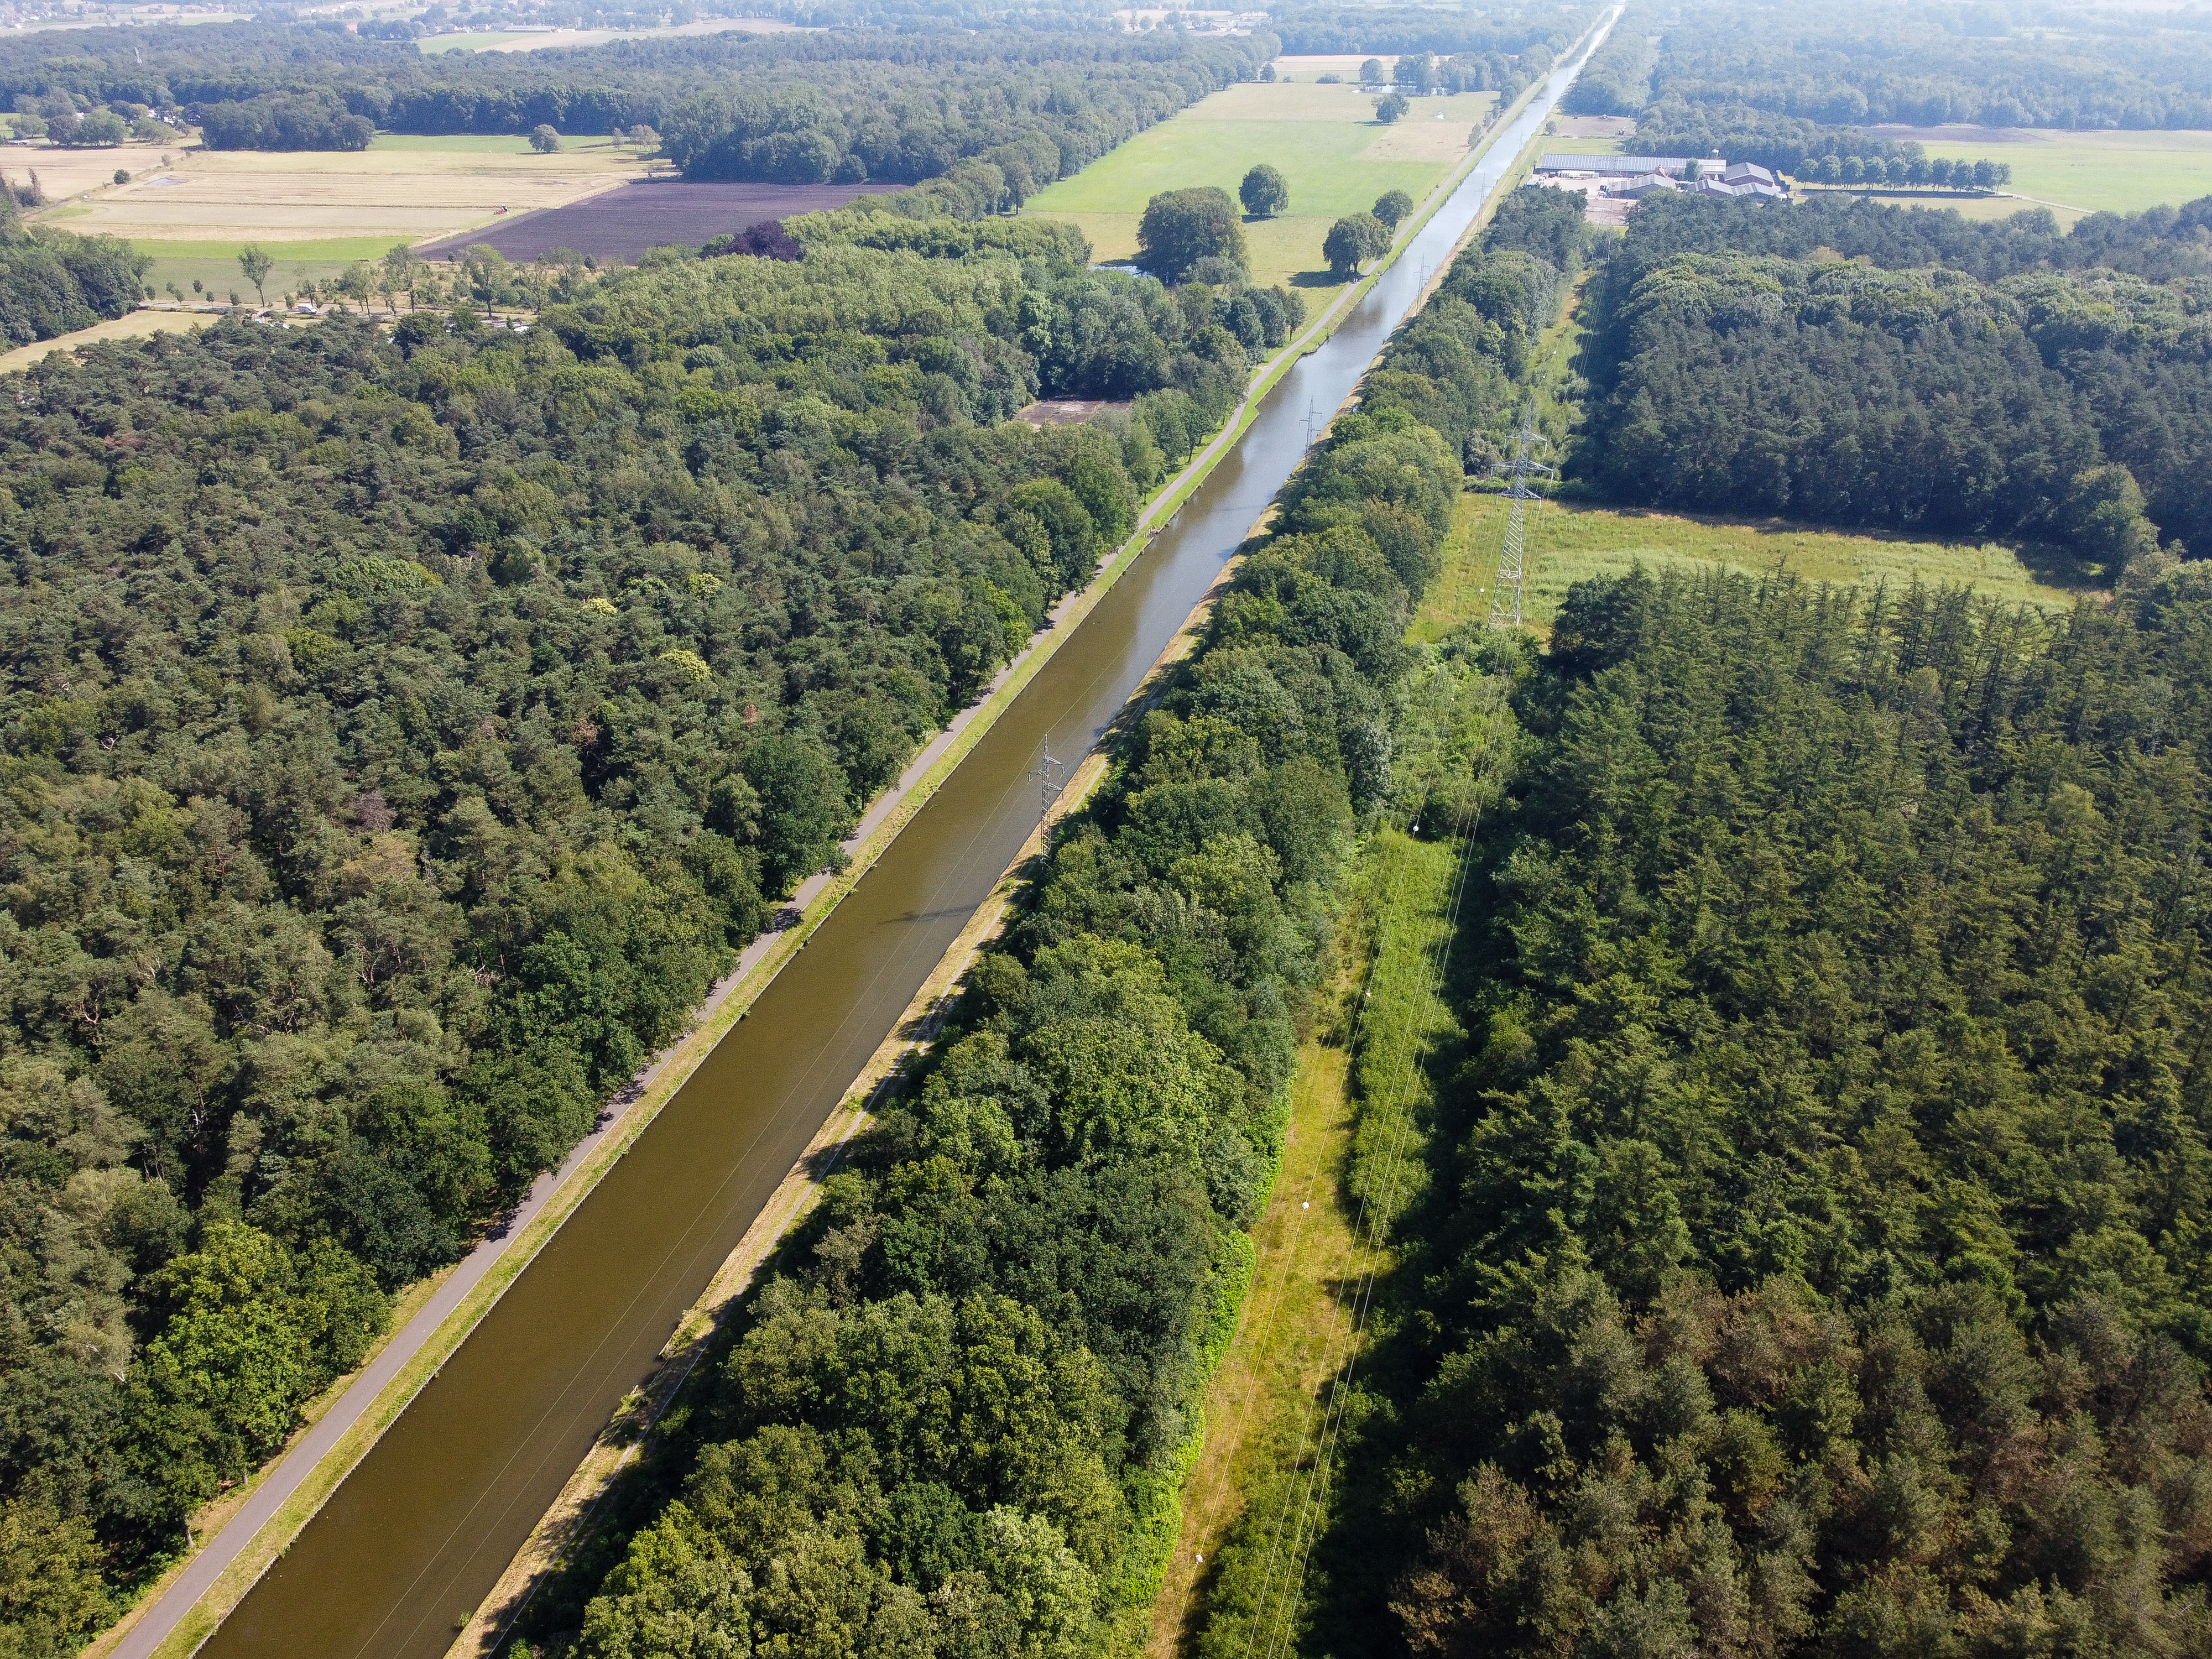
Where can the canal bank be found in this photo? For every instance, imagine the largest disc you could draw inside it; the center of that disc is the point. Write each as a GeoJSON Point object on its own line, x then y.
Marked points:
{"type": "Point", "coordinates": [420, 1531]}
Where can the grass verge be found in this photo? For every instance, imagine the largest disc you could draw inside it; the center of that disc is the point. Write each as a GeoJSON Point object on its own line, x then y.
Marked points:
{"type": "Point", "coordinates": [1261, 1493]}
{"type": "Point", "coordinates": [1567, 543]}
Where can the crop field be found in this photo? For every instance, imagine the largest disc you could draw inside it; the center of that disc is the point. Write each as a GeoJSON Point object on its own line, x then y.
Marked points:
{"type": "Point", "coordinates": [620, 224]}
{"type": "Point", "coordinates": [132, 325]}
{"type": "Point", "coordinates": [317, 211]}
{"type": "Point", "coordinates": [1568, 543]}
{"type": "Point", "coordinates": [1337, 157]}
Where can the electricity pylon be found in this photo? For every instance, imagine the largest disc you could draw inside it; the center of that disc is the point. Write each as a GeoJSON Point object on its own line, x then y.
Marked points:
{"type": "Point", "coordinates": [1505, 597]}
{"type": "Point", "coordinates": [1048, 772]}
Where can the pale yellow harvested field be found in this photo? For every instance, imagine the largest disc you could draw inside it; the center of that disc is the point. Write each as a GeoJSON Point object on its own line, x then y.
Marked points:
{"type": "Point", "coordinates": [133, 325]}
{"type": "Point", "coordinates": [71, 172]}
{"type": "Point", "coordinates": [1346, 63]}
{"type": "Point", "coordinates": [1434, 130]}
{"type": "Point", "coordinates": [408, 193]}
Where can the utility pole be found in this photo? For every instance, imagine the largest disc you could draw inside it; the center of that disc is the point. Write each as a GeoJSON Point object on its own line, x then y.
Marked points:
{"type": "Point", "coordinates": [1505, 597]}
{"type": "Point", "coordinates": [1047, 774]}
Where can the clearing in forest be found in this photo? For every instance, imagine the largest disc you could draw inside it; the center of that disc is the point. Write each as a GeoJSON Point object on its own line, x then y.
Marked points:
{"type": "Point", "coordinates": [1337, 157]}
{"type": "Point", "coordinates": [1253, 1505]}
{"type": "Point", "coordinates": [1568, 543]}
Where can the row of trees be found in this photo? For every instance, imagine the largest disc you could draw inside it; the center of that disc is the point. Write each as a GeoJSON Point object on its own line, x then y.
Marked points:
{"type": "Point", "coordinates": [957, 1417]}
{"type": "Point", "coordinates": [1941, 172]}
{"type": "Point", "coordinates": [403, 727]}
{"type": "Point", "coordinates": [287, 120]}
{"type": "Point", "coordinates": [1672, 126]}
{"type": "Point", "coordinates": [1963, 379]}
{"type": "Point", "coordinates": [1807, 1254]}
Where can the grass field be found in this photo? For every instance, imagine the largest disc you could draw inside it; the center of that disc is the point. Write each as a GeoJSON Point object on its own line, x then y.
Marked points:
{"type": "Point", "coordinates": [2072, 174]}
{"type": "Point", "coordinates": [1566, 544]}
{"type": "Point", "coordinates": [316, 211]}
{"type": "Point", "coordinates": [1247, 1505]}
{"type": "Point", "coordinates": [2094, 172]}
{"type": "Point", "coordinates": [1337, 157]}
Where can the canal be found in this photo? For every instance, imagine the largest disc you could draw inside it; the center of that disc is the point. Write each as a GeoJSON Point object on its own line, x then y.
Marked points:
{"type": "Point", "coordinates": [423, 1528]}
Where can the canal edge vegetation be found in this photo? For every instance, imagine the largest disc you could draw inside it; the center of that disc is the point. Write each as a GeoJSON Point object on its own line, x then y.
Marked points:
{"type": "Point", "coordinates": [674, 1065]}
{"type": "Point", "coordinates": [1383, 472]}
{"type": "Point", "coordinates": [565, 1522]}
{"type": "Point", "coordinates": [567, 1519]}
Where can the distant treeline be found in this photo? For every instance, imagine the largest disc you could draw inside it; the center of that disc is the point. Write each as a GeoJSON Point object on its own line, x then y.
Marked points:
{"type": "Point", "coordinates": [806, 107]}
{"type": "Point", "coordinates": [1807, 1254]}
{"type": "Point", "coordinates": [400, 731]}
{"type": "Point", "coordinates": [1945, 377]}
{"type": "Point", "coordinates": [1617, 79]}
{"type": "Point", "coordinates": [1508, 31]}
{"type": "Point", "coordinates": [1787, 88]}
{"type": "Point", "coordinates": [1037, 107]}
{"type": "Point", "coordinates": [1717, 119]}
{"type": "Point", "coordinates": [1891, 60]}
{"type": "Point", "coordinates": [957, 1418]}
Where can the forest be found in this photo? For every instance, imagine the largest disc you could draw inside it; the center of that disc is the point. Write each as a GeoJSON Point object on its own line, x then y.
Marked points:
{"type": "Point", "coordinates": [405, 726]}
{"type": "Point", "coordinates": [1854, 364]}
{"type": "Point", "coordinates": [956, 1419]}
{"type": "Point", "coordinates": [1506, 31]}
{"type": "Point", "coordinates": [1808, 1253]}
{"type": "Point", "coordinates": [799, 107]}
{"type": "Point", "coordinates": [54, 282]}
{"type": "Point", "coordinates": [1997, 66]}
{"type": "Point", "coordinates": [1787, 87]}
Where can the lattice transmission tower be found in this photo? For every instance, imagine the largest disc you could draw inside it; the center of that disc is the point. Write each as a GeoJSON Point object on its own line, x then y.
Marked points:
{"type": "Point", "coordinates": [1505, 597]}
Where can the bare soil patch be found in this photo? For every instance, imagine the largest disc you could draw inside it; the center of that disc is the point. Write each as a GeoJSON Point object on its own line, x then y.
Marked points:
{"type": "Point", "coordinates": [621, 223]}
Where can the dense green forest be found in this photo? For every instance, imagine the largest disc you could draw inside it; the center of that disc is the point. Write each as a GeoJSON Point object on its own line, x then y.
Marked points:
{"type": "Point", "coordinates": [400, 728]}
{"type": "Point", "coordinates": [1787, 86]}
{"type": "Point", "coordinates": [957, 1420]}
{"type": "Point", "coordinates": [1506, 32]}
{"type": "Point", "coordinates": [799, 107]}
{"type": "Point", "coordinates": [1808, 1252]}
{"type": "Point", "coordinates": [53, 282]}
{"type": "Point", "coordinates": [1854, 364]}
{"type": "Point", "coordinates": [1998, 65]}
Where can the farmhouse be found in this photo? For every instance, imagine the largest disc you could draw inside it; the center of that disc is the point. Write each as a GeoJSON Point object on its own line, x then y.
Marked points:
{"type": "Point", "coordinates": [1632, 178]}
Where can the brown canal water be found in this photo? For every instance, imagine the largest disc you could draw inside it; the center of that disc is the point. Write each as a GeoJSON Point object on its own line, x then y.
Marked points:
{"type": "Point", "coordinates": [417, 1535]}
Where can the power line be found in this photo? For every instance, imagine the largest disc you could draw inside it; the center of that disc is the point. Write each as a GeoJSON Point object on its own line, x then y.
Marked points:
{"type": "Point", "coordinates": [1505, 597]}
{"type": "Point", "coordinates": [1047, 772]}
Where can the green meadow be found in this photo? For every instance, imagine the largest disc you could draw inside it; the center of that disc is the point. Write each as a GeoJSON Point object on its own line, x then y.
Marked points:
{"type": "Point", "coordinates": [1337, 157]}
{"type": "Point", "coordinates": [1567, 543]}
{"type": "Point", "coordinates": [2096, 172]}
{"type": "Point", "coordinates": [216, 264]}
